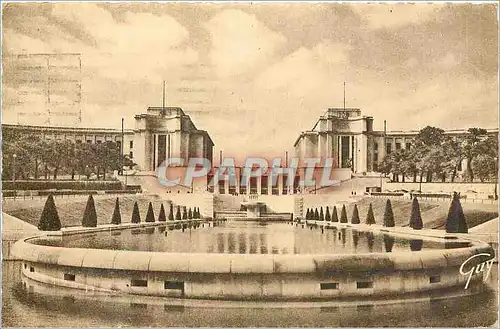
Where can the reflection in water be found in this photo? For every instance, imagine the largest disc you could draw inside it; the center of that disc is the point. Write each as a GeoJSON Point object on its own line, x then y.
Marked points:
{"type": "Point", "coordinates": [388, 242]}
{"type": "Point", "coordinates": [34, 304]}
{"type": "Point", "coordinates": [416, 245]}
{"type": "Point", "coordinates": [247, 238]}
{"type": "Point", "coordinates": [370, 240]}
{"type": "Point", "coordinates": [355, 239]}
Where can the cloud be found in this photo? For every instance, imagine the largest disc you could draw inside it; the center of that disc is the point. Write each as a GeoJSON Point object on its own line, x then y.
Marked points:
{"type": "Point", "coordinates": [240, 43]}
{"type": "Point", "coordinates": [393, 15]}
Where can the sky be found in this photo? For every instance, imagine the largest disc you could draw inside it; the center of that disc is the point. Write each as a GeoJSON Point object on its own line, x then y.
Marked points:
{"type": "Point", "coordinates": [256, 75]}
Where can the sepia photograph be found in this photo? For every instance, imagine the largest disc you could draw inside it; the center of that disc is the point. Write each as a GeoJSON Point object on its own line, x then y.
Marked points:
{"type": "Point", "coordinates": [249, 164]}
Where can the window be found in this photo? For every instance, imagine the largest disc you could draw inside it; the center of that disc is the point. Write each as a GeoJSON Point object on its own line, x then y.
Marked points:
{"type": "Point", "coordinates": [119, 144]}
{"type": "Point", "coordinates": [69, 277]}
{"type": "Point", "coordinates": [131, 154]}
{"type": "Point", "coordinates": [139, 283]}
{"type": "Point", "coordinates": [329, 286]}
{"type": "Point", "coordinates": [25, 266]}
{"type": "Point", "coordinates": [375, 146]}
{"type": "Point", "coordinates": [99, 142]}
{"type": "Point", "coordinates": [364, 284]}
{"type": "Point", "coordinates": [459, 168]}
{"type": "Point", "coordinates": [176, 285]}
{"type": "Point", "coordinates": [398, 146]}
{"type": "Point", "coordinates": [131, 143]}
{"type": "Point", "coordinates": [89, 141]}
{"type": "Point", "coordinates": [408, 146]}
{"type": "Point", "coordinates": [434, 279]}
{"type": "Point", "coordinates": [32, 269]}
{"type": "Point", "coordinates": [375, 157]}
{"type": "Point", "coordinates": [78, 141]}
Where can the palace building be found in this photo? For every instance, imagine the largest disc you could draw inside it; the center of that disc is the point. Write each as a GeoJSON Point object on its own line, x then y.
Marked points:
{"type": "Point", "coordinates": [348, 137]}
{"type": "Point", "coordinates": [158, 134]}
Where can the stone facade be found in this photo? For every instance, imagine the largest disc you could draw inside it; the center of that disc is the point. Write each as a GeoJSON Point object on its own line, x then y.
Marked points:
{"type": "Point", "coordinates": [159, 133]}
{"type": "Point", "coordinates": [347, 136]}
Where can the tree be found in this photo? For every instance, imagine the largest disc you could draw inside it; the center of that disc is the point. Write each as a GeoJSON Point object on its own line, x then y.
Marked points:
{"type": "Point", "coordinates": [307, 214]}
{"type": "Point", "coordinates": [161, 216]}
{"type": "Point", "coordinates": [184, 213]}
{"type": "Point", "coordinates": [49, 220]}
{"type": "Point", "coordinates": [150, 216]}
{"type": "Point", "coordinates": [316, 214]}
{"type": "Point", "coordinates": [335, 219]}
{"type": "Point", "coordinates": [136, 216]}
{"type": "Point", "coordinates": [343, 215]}
{"type": "Point", "coordinates": [178, 213]}
{"type": "Point", "coordinates": [117, 217]}
{"type": "Point", "coordinates": [90, 215]}
{"type": "Point", "coordinates": [321, 214]}
{"type": "Point", "coordinates": [171, 212]}
{"type": "Point", "coordinates": [388, 215]}
{"type": "Point", "coordinates": [198, 215]}
{"type": "Point", "coordinates": [455, 222]}
{"type": "Point", "coordinates": [190, 214]}
{"type": "Point", "coordinates": [370, 218]}
{"type": "Point", "coordinates": [415, 217]}
{"type": "Point", "coordinates": [327, 215]}
{"type": "Point", "coordinates": [471, 147]}
{"type": "Point", "coordinates": [355, 215]}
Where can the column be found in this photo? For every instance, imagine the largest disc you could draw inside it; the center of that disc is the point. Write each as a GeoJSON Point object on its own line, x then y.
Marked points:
{"type": "Point", "coordinates": [259, 185]}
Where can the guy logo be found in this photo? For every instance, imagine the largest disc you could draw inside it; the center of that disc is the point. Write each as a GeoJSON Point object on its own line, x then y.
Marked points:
{"type": "Point", "coordinates": [476, 269]}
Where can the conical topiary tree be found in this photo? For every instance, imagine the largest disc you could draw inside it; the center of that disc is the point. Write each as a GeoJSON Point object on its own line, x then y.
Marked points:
{"type": "Point", "coordinates": [178, 213]}
{"type": "Point", "coordinates": [171, 212]}
{"type": "Point", "coordinates": [321, 214]}
{"type": "Point", "coordinates": [136, 216]}
{"type": "Point", "coordinates": [455, 222]}
{"type": "Point", "coordinates": [198, 213]}
{"type": "Point", "coordinates": [195, 212]}
{"type": "Point", "coordinates": [307, 214]}
{"type": "Point", "coordinates": [343, 215]}
{"type": "Point", "coordinates": [355, 215]}
{"type": "Point", "coordinates": [184, 213]}
{"type": "Point", "coordinates": [150, 216]}
{"type": "Point", "coordinates": [49, 220]}
{"type": "Point", "coordinates": [190, 214]}
{"type": "Point", "coordinates": [335, 218]}
{"type": "Point", "coordinates": [116, 219]}
{"type": "Point", "coordinates": [161, 216]}
{"type": "Point", "coordinates": [415, 217]}
{"type": "Point", "coordinates": [370, 218]}
{"type": "Point", "coordinates": [388, 215]}
{"type": "Point", "coordinates": [327, 215]}
{"type": "Point", "coordinates": [316, 214]}
{"type": "Point", "coordinates": [90, 215]}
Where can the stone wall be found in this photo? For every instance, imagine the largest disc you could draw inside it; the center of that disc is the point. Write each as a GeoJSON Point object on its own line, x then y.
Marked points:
{"type": "Point", "coordinates": [482, 189]}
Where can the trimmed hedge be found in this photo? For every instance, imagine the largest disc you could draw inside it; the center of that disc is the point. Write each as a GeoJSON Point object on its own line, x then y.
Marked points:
{"type": "Point", "coordinates": [61, 185]}
{"type": "Point", "coordinates": [388, 193]}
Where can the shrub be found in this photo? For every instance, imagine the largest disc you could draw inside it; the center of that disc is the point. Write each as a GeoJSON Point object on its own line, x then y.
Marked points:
{"type": "Point", "coordinates": [388, 215]}
{"type": "Point", "coordinates": [49, 220]}
{"type": "Point", "coordinates": [117, 217]}
{"type": "Point", "coordinates": [416, 217]}
{"type": "Point", "coordinates": [190, 214]}
{"type": "Point", "coordinates": [455, 222]}
{"type": "Point", "coordinates": [161, 216]}
{"type": "Point", "coordinates": [343, 215]}
{"type": "Point", "coordinates": [136, 216]}
{"type": "Point", "coordinates": [171, 212]}
{"type": "Point", "coordinates": [335, 218]}
{"type": "Point", "coordinates": [327, 215]}
{"type": "Point", "coordinates": [370, 218]}
{"type": "Point", "coordinates": [184, 213]}
{"type": "Point", "coordinates": [321, 214]}
{"type": "Point", "coordinates": [150, 216]}
{"type": "Point", "coordinates": [316, 214]}
{"type": "Point", "coordinates": [307, 214]}
{"type": "Point", "coordinates": [355, 215]}
{"type": "Point", "coordinates": [90, 215]}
